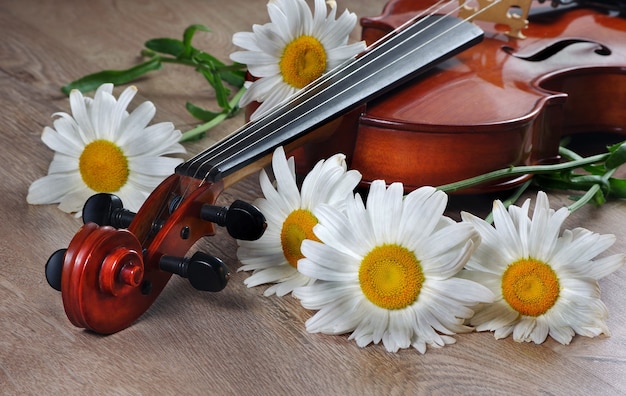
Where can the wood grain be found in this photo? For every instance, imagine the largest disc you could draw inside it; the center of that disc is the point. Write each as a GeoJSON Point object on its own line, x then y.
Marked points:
{"type": "Point", "coordinates": [235, 341]}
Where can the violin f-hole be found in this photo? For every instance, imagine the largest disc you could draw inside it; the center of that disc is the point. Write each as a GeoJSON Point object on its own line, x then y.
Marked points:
{"type": "Point", "coordinates": [553, 49]}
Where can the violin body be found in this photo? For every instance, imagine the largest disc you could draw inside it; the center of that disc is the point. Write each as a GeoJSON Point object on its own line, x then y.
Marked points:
{"type": "Point", "coordinates": [503, 102]}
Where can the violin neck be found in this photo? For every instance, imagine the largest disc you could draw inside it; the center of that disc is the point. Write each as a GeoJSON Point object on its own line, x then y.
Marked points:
{"type": "Point", "coordinates": [383, 66]}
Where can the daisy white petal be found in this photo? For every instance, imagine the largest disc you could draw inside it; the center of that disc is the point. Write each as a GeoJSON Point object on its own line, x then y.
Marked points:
{"type": "Point", "coordinates": [300, 44]}
{"type": "Point", "coordinates": [443, 255]}
{"type": "Point", "coordinates": [508, 230]}
{"type": "Point", "coordinates": [361, 225]}
{"type": "Point", "coordinates": [268, 274]}
{"type": "Point", "coordinates": [136, 122]}
{"type": "Point", "coordinates": [120, 112]}
{"type": "Point", "coordinates": [602, 267]}
{"type": "Point", "coordinates": [134, 195]}
{"type": "Point", "coordinates": [546, 282]}
{"type": "Point", "coordinates": [103, 112]}
{"type": "Point", "coordinates": [490, 251]}
{"type": "Point", "coordinates": [259, 91]}
{"type": "Point", "coordinates": [524, 329]}
{"type": "Point", "coordinates": [62, 163]}
{"type": "Point", "coordinates": [268, 260]}
{"type": "Point", "coordinates": [78, 104]}
{"type": "Point", "coordinates": [101, 148]}
{"type": "Point", "coordinates": [163, 140]}
{"type": "Point", "coordinates": [161, 166]}
{"type": "Point", "coordinates": [545, 228]}
{"type": "Point", "coordinates": [274, 96]}
{"type": "Point", "coordinates": [285, 179]}
{"type": "Point", "coordinates": [51, 187]}
{"type": "Point", "coordinates": [73, 201]}
{"type": "Point", "coordinates": [385, 293]}
{"type": "Point", "coordinates": [414, 227]}
{"type": "Point", "coordinates": [323, 293]}
{"type": "Point", "coordinates": [331, 318]}
{"type": "Point", "coordinates": [290, 220]}
{"type": "Point", "coordinates": [286, 285]}
{"type": "Point", "coordinates": [324, 265]}
{"type": "Point", "coordinates": [247, 40]}
{"type": "Point", "coordinates": [60, 143]}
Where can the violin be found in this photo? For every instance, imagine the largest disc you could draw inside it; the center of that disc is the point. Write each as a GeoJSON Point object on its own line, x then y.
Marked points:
{"type": "Point", "coordinates": [434, 98]}
{"type": "Point", "coordinates": [507, 101]}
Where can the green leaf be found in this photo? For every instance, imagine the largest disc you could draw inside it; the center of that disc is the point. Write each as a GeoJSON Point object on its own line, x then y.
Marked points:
{"type": "Point", "coordinates": [221, 92]}
{"type": "Point", "coordinates": [617, 157]}
{"type": "Point", "coordinates": [234, 74]}
{"type": "Point", "coordinates": [550, 183]}
{"type": "Point", "coordinates": [188, 36]}
{"type": "Point", "coordinates": [168, 46]}
{"type": "Point", "coordinates": [236, 78]}
{"type": "Point", "coordinates": [599, 197]}
{"type": "Point", "coordinates": [203, 57]}
{"type": "Point", "coordinates": [618, 187]}
{"type": "Point", "coordinates": [599, 169]}
{"type": "Point", "coordinates": [200, 113]}
{"type": "Point", "coordinates": [117, 77]}
{"type": "Point", "coordinates": [616, 146]}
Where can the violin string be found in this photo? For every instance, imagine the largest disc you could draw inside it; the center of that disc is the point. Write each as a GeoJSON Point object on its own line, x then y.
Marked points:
{"type": "Point", "coordinates": [362, 65]}
{"type": "Point", "coordinates": [371, 51]}
{"type": "Point", "coordinates": [237, 134]}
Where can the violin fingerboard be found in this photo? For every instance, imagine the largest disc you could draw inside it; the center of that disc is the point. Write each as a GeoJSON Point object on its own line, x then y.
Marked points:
{"type": "Point", "coordinates": [385, 65]}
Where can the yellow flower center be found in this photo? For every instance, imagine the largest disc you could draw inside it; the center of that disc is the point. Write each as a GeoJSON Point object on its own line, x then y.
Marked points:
{"type": "Point", "coordinates": [303, 60]}
{"type": "Point", "coordinates": [530, 287]}
{"type": "Point", "coordinates": [391, 276]}
{"type": "Point", "coordinates": [297, 227]}
{"type": "Point", "coordinates": [103, 166]}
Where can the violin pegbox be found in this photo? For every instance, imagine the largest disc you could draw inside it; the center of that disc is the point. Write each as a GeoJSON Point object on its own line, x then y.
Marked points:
{"type": "Point", "coordinates": [118, 262]}
{"type": "Point", "coordinates": [499, 11]}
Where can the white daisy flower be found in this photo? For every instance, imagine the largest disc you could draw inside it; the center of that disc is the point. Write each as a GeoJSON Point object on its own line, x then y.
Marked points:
{"type": "Point", "coordinates": [293, 50]}
{"type": "Point", "coordinates": [274, 257]}
{"type": "Point", "coordinates": [103, 148]}
{"type": "Point", "coordinates": [387, 271]}
{"type": "Point", "coordinates": [545, 284]}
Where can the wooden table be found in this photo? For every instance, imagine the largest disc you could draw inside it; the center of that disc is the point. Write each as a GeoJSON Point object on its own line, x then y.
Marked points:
{"type": "Point", "coordinates": [235, 341]}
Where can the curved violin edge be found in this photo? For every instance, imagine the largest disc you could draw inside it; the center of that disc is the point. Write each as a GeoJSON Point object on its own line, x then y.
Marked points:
{"type": "Point", "coordinates": [487, 109]}
{"type": "Point", "coordinates": [102, 286]}
{"type": "Point", "coordinates": [111, 276]}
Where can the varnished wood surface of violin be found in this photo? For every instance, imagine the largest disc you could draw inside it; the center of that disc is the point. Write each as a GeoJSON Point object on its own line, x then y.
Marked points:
{"type": "Point", "coordinates": [236, 341]}
{"type": "Point", "coordinates": [505, 101]}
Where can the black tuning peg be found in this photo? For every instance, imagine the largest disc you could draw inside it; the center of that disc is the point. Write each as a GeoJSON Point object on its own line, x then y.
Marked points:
{"type": "Point", "coordinates": [107, 209]}
{"type": "Point", "coordinates": [205, 272]}
{"type": "Point", "coordinates": [54, 269]}
{"type": "Point", "coordinates": [242, 220]}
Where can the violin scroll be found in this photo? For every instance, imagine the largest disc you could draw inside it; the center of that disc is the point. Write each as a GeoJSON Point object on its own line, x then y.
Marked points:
{"type": "Point", "coordinates": [119, 261]}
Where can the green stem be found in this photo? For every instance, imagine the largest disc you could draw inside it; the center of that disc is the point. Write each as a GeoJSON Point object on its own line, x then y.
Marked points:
{"type": "Point", "coordinates": [192, 133]}
{"type": "Point", "coordinates": [585, 198]}
{"type": "Point", "coordinates": [565, 152]}
{"type": "Point", "coordinates": [593, 190]}
{"type": "Point", "coordinates": [512, 199]}
{"type": "Point", "coordinates": [521, 170]}
{"type": "Point", "coordinates": [199, 65]}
